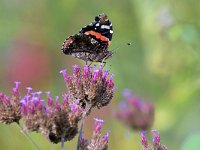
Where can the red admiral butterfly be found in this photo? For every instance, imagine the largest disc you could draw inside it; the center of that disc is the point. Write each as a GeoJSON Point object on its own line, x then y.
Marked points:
{"type": "Point", "coordinates": [92, 41]}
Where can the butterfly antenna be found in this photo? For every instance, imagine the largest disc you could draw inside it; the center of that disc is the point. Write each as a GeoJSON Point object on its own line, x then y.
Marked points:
{"type": "Point", "coordinates": [121, 46]}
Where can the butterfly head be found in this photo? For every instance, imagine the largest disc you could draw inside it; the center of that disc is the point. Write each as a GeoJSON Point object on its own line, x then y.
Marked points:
{"type": "Point", "coordinates": [102, 19]}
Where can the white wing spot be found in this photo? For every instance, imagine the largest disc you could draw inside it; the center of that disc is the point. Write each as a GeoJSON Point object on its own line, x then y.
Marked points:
{"type": "Point", "coordinates": [97, 24]}
{"type": "Point", "coordinates": [105, 27]}
{"type": "Point", "coordinates": [111, 31]}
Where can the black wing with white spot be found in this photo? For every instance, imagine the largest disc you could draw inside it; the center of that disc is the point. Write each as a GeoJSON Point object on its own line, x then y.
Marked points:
{"type": "Point", "coordinates": [101, 25]}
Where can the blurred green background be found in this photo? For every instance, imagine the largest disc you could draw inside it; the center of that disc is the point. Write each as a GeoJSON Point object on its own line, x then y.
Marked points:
{"type": "Point", "coordinates": [161, 65]}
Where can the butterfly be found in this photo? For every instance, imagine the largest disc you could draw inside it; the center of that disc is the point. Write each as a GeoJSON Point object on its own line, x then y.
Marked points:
{"type": "Point", "coordinates": [92, 41]}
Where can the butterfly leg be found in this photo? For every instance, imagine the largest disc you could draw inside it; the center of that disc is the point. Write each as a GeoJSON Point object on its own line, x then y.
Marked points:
{"type": "Point", "coordinates": [104, 63]}
{"type": "Point", "coordinates": [86, 61]}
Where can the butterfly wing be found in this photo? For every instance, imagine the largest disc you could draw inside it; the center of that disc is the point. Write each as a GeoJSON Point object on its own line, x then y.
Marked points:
{"type": "Point", "coordinates": [92, 42]}
{"type": "Point", "coordinates": [100, 29]}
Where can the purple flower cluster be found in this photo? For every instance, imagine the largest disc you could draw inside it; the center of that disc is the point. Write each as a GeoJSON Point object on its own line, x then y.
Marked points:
{"type": "Point", "coordinates": [91, 87]}
{"type": "Point", "coordinates": [58, 121]}
{"type": "Point", "coordinates": [135, 112]}
{"type": "Point", "coordinates": [97, 142]}
{"type": "Point", "coordinates": [156, 145]}
{"type": "Point", "coordinates": [55, 120]}
{"type": "Point", "coordinates": [10, 106]}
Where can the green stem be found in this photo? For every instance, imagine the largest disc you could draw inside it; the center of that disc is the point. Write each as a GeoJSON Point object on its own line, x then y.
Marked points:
{"type": "Point", "coordinates": [87, 109]}
{"type": "Point", "coordinates": [80, 132]}
{"type": "Point", "coordinates": [62, 142]}
{"type": "Point", "coordinates": [27, 136]}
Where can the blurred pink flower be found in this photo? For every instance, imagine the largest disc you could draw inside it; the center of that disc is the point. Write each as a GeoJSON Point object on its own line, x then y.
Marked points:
{"type": "Point", "coordinates": [27, 62]}
{"type": "Point", "coordinates": [135, 113]}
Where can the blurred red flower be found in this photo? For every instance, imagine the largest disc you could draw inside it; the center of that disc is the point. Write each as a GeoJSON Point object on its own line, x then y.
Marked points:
{"type": "Point", "coordinates": [27, 62]}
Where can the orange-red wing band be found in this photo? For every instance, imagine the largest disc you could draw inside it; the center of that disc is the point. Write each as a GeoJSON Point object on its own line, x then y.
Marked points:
{"type": "Point", "coordinates": [98, 36]}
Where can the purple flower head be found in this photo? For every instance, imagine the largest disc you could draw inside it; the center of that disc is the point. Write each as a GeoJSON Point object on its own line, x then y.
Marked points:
{"type": "Point", "coordinates": [144, 140]}
{"type": "Point", "coordinates": [95, 76]}
{"type": "Point", "coordinates": [101, 121]}
{"type": "Point", "coordinates": [77, 69]}
{"type": "Point", "coordinates": [101, 70]}
{"type": "Point", "coordinates": [63, 72]}
{"type": "Point", "coordinates": [31, 103]}
{"type": "Point", "coordinates": [105, 137]}
{"type": "Point", "coordinates": [33, 94]}
{"type": "Point", "coordinates": [24, 100]}
{"type": "Point", "coordinates": [105, 74]}
{"type": "Point", "coordinates": [72, 107]}
{"type": "Point", "coordinates": [65, 76]}
{"type": "Point", "coordinates": [24, 109]}
{"type": "Point", "coordinates": [98, 125]}
{"type": "Point", "coordinates": [39, 94]}
{"type": "Point", "coordinates": [110, 82]}
{"type": "Point", "coordinates": [97, 142]}
{"type": "Point", "coordinates": [90, 86]}
{"type": "Point", "coordinates": [41, 104]}
{"type": "Point", "coordinates": [51, 119]}
{"type": "Point", "coordinates": [5, 100]}
{"type": "Point", "coordinates": [29, 89]}
{"type": "Point", "coordinates": [48, 93]}
{"type": "Point", "coordinates": [57, 98]}
{"type": "Point", "coordinates": [49, 99]}
{"type": "Point", "coordinates": [31, 109]}
{"type": "Point", "coordinates": [16, 89]}
{"type": "Point", "coordinates": [156, 145]}
{"type": "Point", "coordinates": [17, 84]}
{"type": "Point", "coordinates": [57, 104]}
{"type": "Point", "coordinates": [35, 101]}
{"type": "Point", "coordinates": [87, 71]}
{"type": "Point", "coordinates": [75, 108]}
{"type": "Point", "coordinates": [10, 106]}
{"type": "Point", "coordinates": [156, 138]}
{"type": "Point", "coordinates": [65, 99]}
{"type": "Point", "coordinates": [134, 112]}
